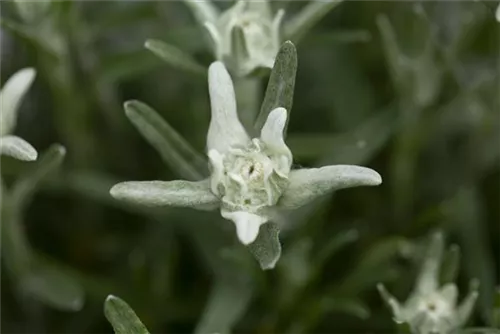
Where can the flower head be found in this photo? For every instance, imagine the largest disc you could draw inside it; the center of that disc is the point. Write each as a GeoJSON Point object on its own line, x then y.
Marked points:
{"type": "Point", "coordinates": [10, 98]}
{"type": "Point", "coordinates": [430, 308]}
{"type": "Point", "coordinates": [251, 178]}
{"type": "Point", "coordinates": [246, 36]}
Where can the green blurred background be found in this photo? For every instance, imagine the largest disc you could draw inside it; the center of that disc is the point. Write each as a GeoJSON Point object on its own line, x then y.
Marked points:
{"type": "Point", "coordinates": [425, 116]}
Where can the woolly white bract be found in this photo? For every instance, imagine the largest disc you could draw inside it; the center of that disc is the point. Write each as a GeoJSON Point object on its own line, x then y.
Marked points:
{"type": "Point", "coordinates": [10, 98]}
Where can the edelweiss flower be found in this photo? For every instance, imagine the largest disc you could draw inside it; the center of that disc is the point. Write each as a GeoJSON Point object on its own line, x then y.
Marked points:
{"type": "Point", "coordinates": [431, 309]}
{"type": "Point", "coordinates": [10, 98]}
{"type": "Point", "coordinates": [251, 179]}
{"type": "Point", "coordinates": [246, 36]}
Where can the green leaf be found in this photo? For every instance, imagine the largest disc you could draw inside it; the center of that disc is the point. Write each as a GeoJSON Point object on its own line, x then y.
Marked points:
{"type": "Point", "coordinates": [175, 57]}
{"type": "Point", "coordinates": [280, 88]}
{"type": "Point", "coordinates": [122, 317]}
{"type": "Point", "coordinates": [450, 265]}
{"type": "Point", "coordinates": [24, 188]}
{"type": "Point", "coordinates": [172, 147]}
{"type": "Point", "coordinates": [466, 216]}
{"type": "Point", "coordinates": [228, 301]}
{"type": "Point", "coordinates": [32, 11]}
{"type": "Point", "coordinates": [54, 288]}
{"type": "Point", "coordinates": [127, 65]}
{"type": "Point", "coordinates": [348, 306]}
{"type": "Point", "coordinates": [29, 35]}
{"type": "Point", "coordinates": [495, 317]}
{"type": "Point", "coordinates": [314, 11]}
{"type": "Point", "coordinates": [267, 248]}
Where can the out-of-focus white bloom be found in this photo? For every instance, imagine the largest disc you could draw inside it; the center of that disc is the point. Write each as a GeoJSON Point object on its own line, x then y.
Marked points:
{"type": "Point", "coordinates": [251, 179]}
{"type": "Point", "coordinates": [431, 309]}
{"type": "Point", "coordinates": [10, 98]}
{"type": "Point", "coordinates": [245, 37]}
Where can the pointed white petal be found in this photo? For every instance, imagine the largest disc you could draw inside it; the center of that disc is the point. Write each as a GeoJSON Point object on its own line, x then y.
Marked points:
{"type": "Point", "coordinates": [215, 38]}
{"type": "Point", "coordinates": [428, 280]}
{"type": "Point", "coordinates": [276, 31]}
{"type": "Point", "coordinates": [162, 193]}
{"type": "Point", "coordinates": [217, 170]}
{"type": "Point", "coordinates": [11, 96]}
{"type": "Point", "coordinates": [225, 128]}
{"type": "Point", "coordinates": [204, 11]}
{"type": "Point", "coordinates": [449, 292]}
{"type": "Point", "coordinates": [261, 8]}
{"type": "Point", "coordinates": [391, 302]}
{"type": "Point", "coordinates": [465, 309]}
{"type": "Point", "coordinates": [307, 184]}
{"type": "Point", "coordinates": [272, 136]}
{"type": "Point", "coordinates": [272, 131]}
{"type": "Point", "coordinates": [247, 225]}
{"type": "Point", "coordinates": [18, 148]}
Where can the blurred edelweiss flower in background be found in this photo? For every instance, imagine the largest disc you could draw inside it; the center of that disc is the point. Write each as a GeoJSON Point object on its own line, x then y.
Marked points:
{"type": "Point", "coordinates": [246, 36]}
{"type": "Point", "coordinates": [431, 308]}
{"type": "Point", "coordinates": [251, 179]}
{"type": "Point", "coordinates": [10, 99]}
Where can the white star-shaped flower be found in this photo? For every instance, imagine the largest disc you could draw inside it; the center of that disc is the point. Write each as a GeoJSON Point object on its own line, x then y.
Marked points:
{"type": "Point", "coordinates": [246, 36]}
{"type": "Point", "coordinates": [10, 98]}
{"type": "Point", "coordinates": [251, 178]}
{"type": "Point", "coordinates": [431, 309]}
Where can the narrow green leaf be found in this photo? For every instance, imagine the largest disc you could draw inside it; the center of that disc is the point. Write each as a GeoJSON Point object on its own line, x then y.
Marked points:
{"type": "Point", "coordinates": [495, 317]}
{"type": "Point", "coordinates": [396, 60]}
{"type": "Point", "coordinates": [54, 288]}
{"type": "Point", "coordinates": [29, 35]}
{"type": "Point", "coordinates": [172, 147]}
{"type": "Point", "coordinates": [228, 301]}
{"type": "Point", "coordinates": [122, 317]}
{"type": "Point", "coordinates": [24, 188]}
{"type": "Point", "coordinates": [267, 248]}
{"type": "Point", "coordinates": [174, 56]}
{"type": "Point", "coordinates": [127, 65]}
{"type": "Point", "coordinates": [466, 217]}
{"type": "Point", "coordinates": [32, 11]}
{"type": "Point", "coordinates": [348, 306]}
{"type": "Point", "coordinates": [314, 11]}
{"type": "Point", "coordinates": [450, 265]}
{"type": "Point", "coordinates": [280, 88]}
